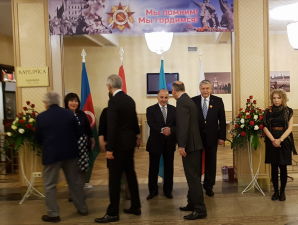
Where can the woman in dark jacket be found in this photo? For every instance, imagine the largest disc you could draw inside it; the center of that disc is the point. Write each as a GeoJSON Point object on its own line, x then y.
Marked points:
{"type": "Point", "coordinates": [278, 121]}
{"type": "Point", "coordinates": [86, 141]}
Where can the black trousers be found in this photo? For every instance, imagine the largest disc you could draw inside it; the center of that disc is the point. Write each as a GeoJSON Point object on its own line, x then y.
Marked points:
{"type": "Point", "coordinates": [283, 177]}
{"type": "Point", "coordinates": [123, 162]}
{"type": "Point", "coordinates": [193, 168]}
{"type": "Point", "coordinates": [154, 160]}
{"type": "Point", "coordinates": [210, 167]}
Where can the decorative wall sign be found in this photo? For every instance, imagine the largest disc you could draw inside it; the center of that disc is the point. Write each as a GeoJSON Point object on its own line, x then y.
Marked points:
{"type": "Point", "coordinates": [32, 77]}
{"type": "Point", "coordinates": [71, 17]}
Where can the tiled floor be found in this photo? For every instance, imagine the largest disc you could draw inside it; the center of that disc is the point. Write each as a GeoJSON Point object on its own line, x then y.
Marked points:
{"type": "Point", "coordinates": [227, 207]}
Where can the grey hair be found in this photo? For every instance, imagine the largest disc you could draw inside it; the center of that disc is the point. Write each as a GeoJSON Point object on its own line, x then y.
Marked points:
{"type": "Point", "coordinates": [178, 86]}
{"type": "Point", "coordinates": [51, 98]}
{"type": "Point", "coordinates": [206, 82]}
{"type": "Point", "coordinates": [114, 81]}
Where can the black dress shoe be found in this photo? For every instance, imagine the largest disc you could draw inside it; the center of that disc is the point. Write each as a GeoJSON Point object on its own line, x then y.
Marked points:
{"type": "Point", "coordinates": [195, 215]}
{"type": "Point", "coordinates": [282, 196]}
{"type": "Point", "coordinates": [83, 213]}
{"type": "Point", "coordinates": [53, 219]}
{"type": "Point", "coordinates": [169, 195]}
{"type": "Point", "coordinates": [209, 192]}
{"type": "Point", "coordinates": [186, 208]}
{"type": "Point", "coordinates": [106, 219]}
{"type": "Point", "coordinates": [136, 212]}
{"type": "Point", "coordinates": [275, 196]}
{"type": "Point", "coordinates": [150, 196]}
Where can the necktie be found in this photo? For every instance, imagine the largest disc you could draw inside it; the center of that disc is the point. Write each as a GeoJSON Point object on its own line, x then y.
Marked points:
{"type": "Point", "coordinates": [205, 109]}
{"type": "Point", "coordinates": [164, 113]}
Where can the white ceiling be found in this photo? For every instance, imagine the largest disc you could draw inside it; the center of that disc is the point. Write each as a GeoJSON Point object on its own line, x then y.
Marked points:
{"type": "Point", "coordinates": [6, 20]}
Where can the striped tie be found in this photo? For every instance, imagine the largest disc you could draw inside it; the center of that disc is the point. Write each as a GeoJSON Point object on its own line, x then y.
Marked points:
{"type": "Point", "coordinates": [164, 113]}
{"type": "Point", "coordinates": [205, 109]}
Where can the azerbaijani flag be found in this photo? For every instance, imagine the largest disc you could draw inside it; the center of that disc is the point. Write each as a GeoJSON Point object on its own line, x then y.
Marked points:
{"type": "Point", "coordinates": [161, 85]}
{"type": "Point", "coordinates": [87, 107]}
{"type": "Point", "coordinates": [121, 74]}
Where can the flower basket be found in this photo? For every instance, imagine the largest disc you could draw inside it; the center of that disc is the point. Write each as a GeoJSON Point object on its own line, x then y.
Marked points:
{"type": "Point", "coordinates": [248, 125]}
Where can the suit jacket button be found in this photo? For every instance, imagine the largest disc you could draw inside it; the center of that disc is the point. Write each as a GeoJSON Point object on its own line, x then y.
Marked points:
{"type": "Point", "coordinates": [205, 121]}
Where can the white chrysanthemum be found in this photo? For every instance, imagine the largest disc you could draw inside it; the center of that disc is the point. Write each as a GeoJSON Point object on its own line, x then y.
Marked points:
{"type": "Point", "coordinates": [21, 131]}
{"type": "Point", "coordinates": [24, 118]}
{"type": "Point", "coordinates": [9, 134]}
{"type": "Point", "coordinates": [13, 127]}
{"type": "Point", "coordinates": [15, 121]}
{"type": "Point", "coordinates": [256, 127]}
{"type": "Point", "coordinates": [247, 113]}
{"type": "Point", "coordinates": [242, 125]}
{"type": "Point", "coordinates": [242, 120]}
{"type": "Point", "coordinates": [256, 117]}
{"type": "Point", "coordinates": [31, 120]}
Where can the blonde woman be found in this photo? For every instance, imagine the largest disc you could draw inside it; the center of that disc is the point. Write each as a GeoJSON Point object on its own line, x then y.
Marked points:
{"type": "Point", "coordinates": [278, 122]}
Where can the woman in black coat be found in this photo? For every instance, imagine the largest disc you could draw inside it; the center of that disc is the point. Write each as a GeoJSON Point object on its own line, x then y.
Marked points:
{"type": "Point", "coordinates": [278, 125]}
{"type": "Point", "coordinates": [86, 141]}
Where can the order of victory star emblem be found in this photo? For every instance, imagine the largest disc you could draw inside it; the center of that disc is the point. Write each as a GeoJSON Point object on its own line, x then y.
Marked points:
{"type": "Point", "coordinates": [120, 17]}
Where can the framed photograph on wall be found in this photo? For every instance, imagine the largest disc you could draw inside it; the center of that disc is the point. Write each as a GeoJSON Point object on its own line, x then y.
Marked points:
{"type": "Point", "coordinates": [280, 80]}
{"type": "Point", "coordinates": [221, 82]}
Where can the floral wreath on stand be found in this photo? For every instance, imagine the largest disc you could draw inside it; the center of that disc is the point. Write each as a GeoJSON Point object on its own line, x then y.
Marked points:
{"type": "Point", "coordinates": [23, 129]}
{"type": "Point", "coordinates": [248, 125]}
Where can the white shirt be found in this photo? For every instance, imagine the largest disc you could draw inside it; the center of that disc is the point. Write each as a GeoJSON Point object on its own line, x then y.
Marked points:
{"type": "Point", "coordinates": [115, 92]}
{"type": "Point", "coordinates": [207, 101]}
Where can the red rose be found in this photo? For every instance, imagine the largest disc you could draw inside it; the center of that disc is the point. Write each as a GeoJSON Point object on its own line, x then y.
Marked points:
{"type": "Point", "coordinates": [248, 100]}
{"type": "Point", "coordinates": [28, 102]}
{"type": "Point", "coordinates": [236, 125]}
{"type": "Point", "coordinates": [251, 122]}
{"type": "Point", "coordinates": [243, 133]}
{"type": "Point", "coordinates": [261, 126]}
{"type": "Point", "coordinates": [254, 101]}
{"type": "Point", "coordinates": [251, 97]}
{"type": "Point", "coordinates": [32, 105]}
{"type": "Point", "coordinates": [33, 114]}
{"type": "Point", "coordinates": [248, 116]}
{"type": "Point", "coordinates": [25, 108]}
{"type": "Point", "coordinates": [261, 117]}
{"type": "Point", "coordinates": [29, 126]}
{"type": "Point", "coordinates": [240, 109]}
{"type": "Point", "coordinates": [21, 121]}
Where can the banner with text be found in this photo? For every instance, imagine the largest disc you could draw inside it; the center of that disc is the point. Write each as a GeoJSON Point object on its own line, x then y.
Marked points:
{"type": "Point", "coordinates": [71, 17]}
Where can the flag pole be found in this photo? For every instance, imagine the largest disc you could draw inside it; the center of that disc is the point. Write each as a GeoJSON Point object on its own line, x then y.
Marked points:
{"type": "Point", "coordinates": [121, 53]}
{"type": "Point", "coordinates": [83, 54]}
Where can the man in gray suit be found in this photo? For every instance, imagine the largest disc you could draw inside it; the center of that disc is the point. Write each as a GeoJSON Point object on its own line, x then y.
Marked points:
{"type": "Point", "coordinates": [190, 148]}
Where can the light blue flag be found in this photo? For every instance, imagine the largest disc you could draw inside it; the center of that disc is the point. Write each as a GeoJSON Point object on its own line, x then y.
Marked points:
{"type": "Point", "coordinates": [161, 85]}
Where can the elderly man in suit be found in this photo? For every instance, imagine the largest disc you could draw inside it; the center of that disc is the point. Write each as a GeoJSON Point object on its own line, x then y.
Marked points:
{"type": "Point", "coordinates": [57, 131]}
{"type": "Point", "coordinates": [190, 148]}
{"type": "Point", "coordinates": [212, 124]}
{"type": "Point", "coordinates": [161, 118]}
{"type": "Point", "coordinates": [122, 137]}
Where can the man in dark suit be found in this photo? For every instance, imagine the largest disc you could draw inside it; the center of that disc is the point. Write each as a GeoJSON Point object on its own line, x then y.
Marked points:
{"type": "Point", "coordinates": [57, 131]}
{"type": "Point", "coordinates": [161, 119]}
{"type": "Point", "coordinates": [190, 148]}
{"type": "Point", "coordinates": [122, 137]}
{"type": "Point", "coordinates": [212, 124]}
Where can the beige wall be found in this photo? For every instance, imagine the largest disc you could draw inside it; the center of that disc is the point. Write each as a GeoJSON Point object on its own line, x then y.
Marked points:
{"type": "Point", "coordinates": [138, 60]}
{"type": "Point", "coordinates": [284, 58]}
{"type": "Point", "coordinates": [6, 52]}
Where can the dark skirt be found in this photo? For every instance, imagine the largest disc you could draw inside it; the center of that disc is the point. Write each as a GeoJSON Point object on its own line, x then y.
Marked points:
{"type": "Point", "coordinates": [278, 156]}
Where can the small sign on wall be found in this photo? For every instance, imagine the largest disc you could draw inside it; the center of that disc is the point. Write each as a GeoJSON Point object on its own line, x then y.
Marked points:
{"type": "Point", "coordinates": [32, 77]}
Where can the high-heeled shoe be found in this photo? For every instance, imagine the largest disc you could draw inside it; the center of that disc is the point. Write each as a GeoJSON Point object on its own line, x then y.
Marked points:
{"type": "Point", "coordinates": [275, 196]}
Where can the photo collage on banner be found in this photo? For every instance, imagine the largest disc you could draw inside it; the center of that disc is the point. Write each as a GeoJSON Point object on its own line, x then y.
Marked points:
{"type": "Point", "coordinates": [73, 17]}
